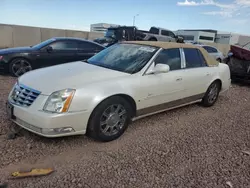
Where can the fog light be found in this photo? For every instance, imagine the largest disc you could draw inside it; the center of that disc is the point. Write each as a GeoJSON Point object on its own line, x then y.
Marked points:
{"type": "Point", "coordinates": [61, 130]}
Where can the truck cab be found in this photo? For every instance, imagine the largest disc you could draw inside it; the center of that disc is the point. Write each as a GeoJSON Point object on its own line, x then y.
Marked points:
{"type": "Point", "coordinates": [116, 34]}
{"type": "Point", "coordinates": [161, 34]}
{"type": "Point", "coordinates": [131, 33]}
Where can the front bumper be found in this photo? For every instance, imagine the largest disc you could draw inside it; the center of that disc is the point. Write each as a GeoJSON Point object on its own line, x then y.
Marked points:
{"type": "Point", "coordinates": [41, 123]}
{"type": "Point", "coordinates": [4, 66]}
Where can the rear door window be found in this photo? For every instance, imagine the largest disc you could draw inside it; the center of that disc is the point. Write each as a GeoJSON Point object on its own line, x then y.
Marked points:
{"type": "Point", "coordinates": [64, 45]}
{"type": "Point", "coordinates": [194, 58]}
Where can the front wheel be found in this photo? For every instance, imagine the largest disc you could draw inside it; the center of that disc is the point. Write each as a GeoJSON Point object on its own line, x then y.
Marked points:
{"type": "Point", "coordinates": [211, 95]}
{"type": "Point", "coordinates": [19, 66]}
{"type": "Point", "coordinates": [110, 119]}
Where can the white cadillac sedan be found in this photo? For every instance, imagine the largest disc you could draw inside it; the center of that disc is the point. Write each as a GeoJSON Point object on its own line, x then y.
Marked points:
{"type": "Point", "coordinates": [99, 97]}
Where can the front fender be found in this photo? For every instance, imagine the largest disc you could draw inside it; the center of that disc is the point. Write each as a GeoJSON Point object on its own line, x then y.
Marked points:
{"type": "Point", "coordinates": [88, 98]}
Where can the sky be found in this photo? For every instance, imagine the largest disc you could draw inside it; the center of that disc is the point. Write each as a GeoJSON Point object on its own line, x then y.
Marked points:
{"type": "Point", "coordinates": [223, 15]}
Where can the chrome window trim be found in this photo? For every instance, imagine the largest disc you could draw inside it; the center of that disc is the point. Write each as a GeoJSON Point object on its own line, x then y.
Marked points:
{"type": "Point", "coordinates": [183, 59]}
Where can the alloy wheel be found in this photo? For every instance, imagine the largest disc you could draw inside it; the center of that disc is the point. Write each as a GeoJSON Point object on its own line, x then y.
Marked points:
{"type": "Point", "coordinates": [20, 67]}
{"type": "Point", "coordinates": [213, 93]}
{"type": "Point", "coordinates": [113, 119]}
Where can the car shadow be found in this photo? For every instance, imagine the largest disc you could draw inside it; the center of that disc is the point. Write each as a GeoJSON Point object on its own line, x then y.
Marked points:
{"type": "Point", "coordinates": [241, 83]}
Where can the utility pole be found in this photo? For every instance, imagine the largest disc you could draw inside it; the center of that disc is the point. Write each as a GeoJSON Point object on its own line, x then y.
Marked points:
{"type": "Point", "coordinates": [134, 19]}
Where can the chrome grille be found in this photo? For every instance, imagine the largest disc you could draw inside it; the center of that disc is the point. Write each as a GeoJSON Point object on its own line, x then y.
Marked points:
{"type": "Point", "coordinates": [23, 95]}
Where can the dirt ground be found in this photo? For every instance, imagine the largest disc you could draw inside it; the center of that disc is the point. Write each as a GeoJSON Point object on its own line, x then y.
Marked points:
{"type": "Point", "coordinates": [187, 147]}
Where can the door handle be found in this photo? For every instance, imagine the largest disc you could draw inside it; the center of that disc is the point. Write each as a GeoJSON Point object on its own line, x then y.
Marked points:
{"type": "Point", "coordinates": [178, 79]}
{"type": "Point", "coordinates": [208, 74]}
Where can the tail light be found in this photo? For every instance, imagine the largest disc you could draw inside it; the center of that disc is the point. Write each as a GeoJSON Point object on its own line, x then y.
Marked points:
{"type": "Point", "coordinates": [1, 57]}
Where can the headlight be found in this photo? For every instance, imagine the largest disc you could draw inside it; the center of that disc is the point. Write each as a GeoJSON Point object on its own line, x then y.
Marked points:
{"type": "Point", "coordinates": [59, 101]}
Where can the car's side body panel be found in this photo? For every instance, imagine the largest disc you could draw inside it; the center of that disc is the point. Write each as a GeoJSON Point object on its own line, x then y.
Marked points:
{"type": "Point", "coordinates": [157, 92]}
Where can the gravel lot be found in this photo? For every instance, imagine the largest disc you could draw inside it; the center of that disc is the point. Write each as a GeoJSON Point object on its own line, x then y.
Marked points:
{"type": "Point", "coordinates": [187, 147]}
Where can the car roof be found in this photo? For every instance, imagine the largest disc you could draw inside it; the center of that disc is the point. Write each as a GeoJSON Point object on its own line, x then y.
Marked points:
{"type": "Point", "coordinates": [77, 39]}
{"type": "Point", "coordinates": [161, 28]}
{"type": "Point", "coordinates": [165, 45]}
{"type": "Point", "coordinates": [169, 45]}
{"type": "Point", "coordinates": [202, 45]}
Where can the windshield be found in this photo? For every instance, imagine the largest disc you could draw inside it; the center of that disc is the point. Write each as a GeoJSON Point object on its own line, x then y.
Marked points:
{"type": "Point", "coordinates": [110, 33]}
{"type": "Point", "coordinates": [42, 44]}
{"type": "Point", "coordinates": [129, 58]}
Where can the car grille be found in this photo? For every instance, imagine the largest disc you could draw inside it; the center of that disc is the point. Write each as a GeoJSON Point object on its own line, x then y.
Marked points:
{"type": "Point", "coordinates": [23, 95]}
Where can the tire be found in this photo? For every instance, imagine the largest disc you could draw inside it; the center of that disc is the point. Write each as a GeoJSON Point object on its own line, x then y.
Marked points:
{"type": "Point", "coordinates": [19, 66]}
{"type": "Point", "coordinates": [211, 94]}
{"type": "Point", "coordinates": [102, 120]}
{"type": "Point", "coordinates": [152, 39]}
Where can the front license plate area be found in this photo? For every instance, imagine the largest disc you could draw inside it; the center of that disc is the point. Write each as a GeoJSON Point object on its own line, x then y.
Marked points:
{"type": "Point", "coordinates": [10, 110]}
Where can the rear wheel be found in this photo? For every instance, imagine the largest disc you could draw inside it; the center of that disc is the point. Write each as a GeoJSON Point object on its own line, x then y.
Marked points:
{"type": "Point", "coordinates": [211, 95]}
{"type": "Point", "coordinates": [19, 66]}
{"type": "Point", "coordinates": [110, 119]}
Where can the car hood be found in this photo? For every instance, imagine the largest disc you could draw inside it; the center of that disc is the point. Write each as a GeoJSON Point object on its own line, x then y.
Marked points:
{"type": "Point", "coordinates": [16, 50]}
{"type": "Point", "coordinates": [73, 75]}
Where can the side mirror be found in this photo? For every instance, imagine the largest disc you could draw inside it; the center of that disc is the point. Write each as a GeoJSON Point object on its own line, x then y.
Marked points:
{"type": "Point", "coordinates": [160, 68]}
{"type": "Point", "coordinates": [49, 49]}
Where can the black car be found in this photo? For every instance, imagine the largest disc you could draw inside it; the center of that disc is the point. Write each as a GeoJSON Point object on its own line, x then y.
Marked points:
{"type": "Point", "coordinates": [54, 51]}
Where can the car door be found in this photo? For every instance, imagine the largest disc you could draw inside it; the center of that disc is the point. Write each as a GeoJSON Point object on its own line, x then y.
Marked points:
{"type": "Point", "coordinates": [196, 75]}
{"type": "Point", "coordinates": [172, 36]}
{"type": "Point", "coordinates": [64, 51]}
{"type": "Point", "coordinates": [165, 35]}
{"type": "Point", "coordinates": [58, 52]}
{"type": "Point", "coordinates": [163, 90]}
{"type": "Point", "coordinates": [86, 49]}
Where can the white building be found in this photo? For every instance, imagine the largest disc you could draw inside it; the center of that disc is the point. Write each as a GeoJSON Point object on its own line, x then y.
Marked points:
{"type": "Point", "coordinates": [197, 35]}
{"type": "Point", "coordinates": [227, 37]}
{"type": "Point", "coordinates": [221, 37]}
{"type": "Point", "coordinates": [233, 38]}
{"type": "Point", "coordinates": [101, 27]}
